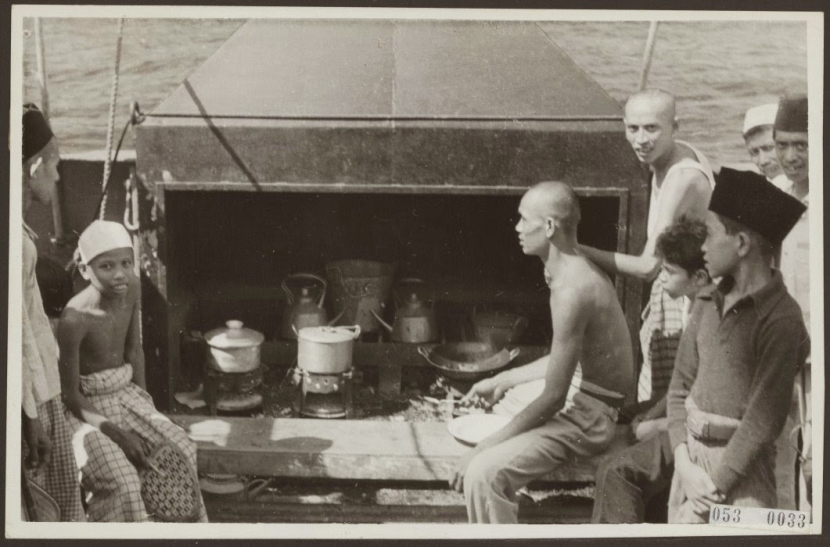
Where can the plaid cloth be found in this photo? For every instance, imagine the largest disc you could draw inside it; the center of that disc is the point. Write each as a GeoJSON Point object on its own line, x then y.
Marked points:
{"type": "Point", "coordinates": [60, 477]}
{"type": "Point", "coordinates": [659, 340]}
{"type": "Point", "coordinates": [113, 482]}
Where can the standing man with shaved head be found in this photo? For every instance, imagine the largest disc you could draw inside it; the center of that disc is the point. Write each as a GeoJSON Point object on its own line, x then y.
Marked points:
{"type": "Point", "coordinates": [587, 375]}
{"type": "Point", "coordinates": [681, 184]}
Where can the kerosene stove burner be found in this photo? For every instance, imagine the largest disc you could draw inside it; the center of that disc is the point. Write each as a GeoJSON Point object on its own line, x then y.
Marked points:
{"type": "Point", "coordinates": [323, 395]}
{"type": "Point", "coordinates": [228, 392]}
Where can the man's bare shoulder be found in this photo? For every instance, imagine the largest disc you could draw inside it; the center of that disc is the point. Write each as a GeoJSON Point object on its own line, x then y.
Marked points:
{"type": "Point", "coordinates": [589, 276]}
{"type": "Point", "coordinates": [582, 283]}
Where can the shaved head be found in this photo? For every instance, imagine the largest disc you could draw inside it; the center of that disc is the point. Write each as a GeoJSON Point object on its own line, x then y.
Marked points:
{"type": "Point", "coordinates": [558, 201]}
{"type": "Point", "coordinates": [662, 103]}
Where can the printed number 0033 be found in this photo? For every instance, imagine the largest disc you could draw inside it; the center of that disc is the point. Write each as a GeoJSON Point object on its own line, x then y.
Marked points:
{"type": "Point", "coordinates": [786, 519]}
{"type": "Point", "coordinates": [726, 514]}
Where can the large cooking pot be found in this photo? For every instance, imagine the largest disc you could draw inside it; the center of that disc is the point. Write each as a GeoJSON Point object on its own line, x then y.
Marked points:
{"type": "Point", "coordinates": [326, 350]}
{"type": "Point", "coordinates": [467, 360]}
{"type": "Point", "coordinates": [359, 287]}
{"type": "Point", "coordinates": [234, 348]}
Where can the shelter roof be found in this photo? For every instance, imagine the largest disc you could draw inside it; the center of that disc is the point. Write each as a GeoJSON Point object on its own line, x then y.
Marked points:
{"type": "Point", "coordinates": [390, 70]}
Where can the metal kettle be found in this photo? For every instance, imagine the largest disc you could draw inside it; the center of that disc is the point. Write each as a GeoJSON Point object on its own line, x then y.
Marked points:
{"type": "Point", "coordinates": [305, 310]}
{"type": "Point", "coordinates": [414, 322]}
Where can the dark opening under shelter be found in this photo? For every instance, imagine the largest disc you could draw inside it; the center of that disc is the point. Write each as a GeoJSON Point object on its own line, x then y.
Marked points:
{"type": "Point", "coordinates": [301, 142]}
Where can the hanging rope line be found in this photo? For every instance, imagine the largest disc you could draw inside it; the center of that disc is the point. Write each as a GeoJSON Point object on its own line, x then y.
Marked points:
{"type": "Point", "coordinates": [131, 222]}
{"type": "Point", "coordinates": [111, 122]}
{"type": "Point", "coordinates": [99, 210]}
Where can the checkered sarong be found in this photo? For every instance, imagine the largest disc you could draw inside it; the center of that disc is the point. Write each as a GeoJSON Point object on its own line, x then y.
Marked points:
{"type": "Point", "coordinates": [659, 340]}
{"type": "Point", "coordinates": [112, 482]}
{"type": "Point", "coordinates": [60, 477]}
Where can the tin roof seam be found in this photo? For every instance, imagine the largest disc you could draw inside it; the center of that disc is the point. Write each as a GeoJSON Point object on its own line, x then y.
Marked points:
{"type": "Point", "coordinates": [577, 65]}
{"type": "Point", "coordinates": [395, 118]}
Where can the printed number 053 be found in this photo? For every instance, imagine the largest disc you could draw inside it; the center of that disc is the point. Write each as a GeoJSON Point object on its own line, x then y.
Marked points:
{"type": "Point", "coordinates": [727, 514]}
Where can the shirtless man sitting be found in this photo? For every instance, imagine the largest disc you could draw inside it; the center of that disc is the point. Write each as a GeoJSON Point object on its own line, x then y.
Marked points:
{"type": "Point", "coordinates": [587, 376]}
{"type": "Point", "coordinates": [115, 424]}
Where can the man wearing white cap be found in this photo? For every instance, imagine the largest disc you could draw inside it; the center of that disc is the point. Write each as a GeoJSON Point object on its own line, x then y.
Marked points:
{"type": "Point", "coordinates": [757, 132]}
{"type": "Point", "coordinates": [116, 426]}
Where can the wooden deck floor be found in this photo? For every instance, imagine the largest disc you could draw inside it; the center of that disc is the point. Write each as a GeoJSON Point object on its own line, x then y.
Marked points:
{"type": "Point", "coordinates": [340, 449]}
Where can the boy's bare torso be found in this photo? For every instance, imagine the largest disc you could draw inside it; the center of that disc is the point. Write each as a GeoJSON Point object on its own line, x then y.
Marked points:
{"type": "Point", "coordinates": [106, 323]}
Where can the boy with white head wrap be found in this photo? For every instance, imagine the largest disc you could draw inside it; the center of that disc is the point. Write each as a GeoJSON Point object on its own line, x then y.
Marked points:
{"type": "Point", "coordinates": [102, 236]}
{"type": "Point", "coordinates": [115, 423]}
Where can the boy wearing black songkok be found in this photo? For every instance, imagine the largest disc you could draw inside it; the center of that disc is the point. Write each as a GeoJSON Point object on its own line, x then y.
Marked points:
{"type": "Point", "coordinates": [732, 384]}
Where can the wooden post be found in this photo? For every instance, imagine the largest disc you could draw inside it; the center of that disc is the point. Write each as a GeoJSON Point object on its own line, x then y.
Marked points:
{"type": "Point", "coordinates": [41, 68]}
{"type": "Point", "coordinates": [647, 55]}
{"type": "Point", "coordinates": [40, 49]}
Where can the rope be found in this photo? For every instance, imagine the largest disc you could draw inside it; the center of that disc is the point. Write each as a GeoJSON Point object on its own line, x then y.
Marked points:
{"type": "Point", "coordinates": [131, 222]}
{"type": "Point", "coordinates": [102, 199]}
{"type": "Point", "coordinates": [111, 123]}
{"type": "Point", "coordinates": [131, 206]}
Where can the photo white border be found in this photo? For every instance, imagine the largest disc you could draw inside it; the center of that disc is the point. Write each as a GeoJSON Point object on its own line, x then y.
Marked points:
{"type": "Point", "coordinates": [17, 529]}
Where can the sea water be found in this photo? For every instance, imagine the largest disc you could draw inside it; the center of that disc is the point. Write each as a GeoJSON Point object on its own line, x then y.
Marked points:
{"type": "Point", "coordinates": [715, 69]}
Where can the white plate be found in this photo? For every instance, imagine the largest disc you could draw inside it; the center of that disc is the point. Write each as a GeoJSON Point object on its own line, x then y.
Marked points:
{"type": "Point", "coordinates": [474, 428]}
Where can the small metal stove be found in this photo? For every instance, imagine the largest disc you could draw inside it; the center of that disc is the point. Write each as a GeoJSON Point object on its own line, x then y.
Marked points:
{"type": "Point", "coordinates": [322, 395]}
{"type": "Point", "coordinates": [233, 392]}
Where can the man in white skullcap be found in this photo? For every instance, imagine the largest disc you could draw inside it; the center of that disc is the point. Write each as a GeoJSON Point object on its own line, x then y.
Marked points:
{"type": "Point", "coordinates": [757, 132]}
{"type": "Point", "coordinates": [50, 464]}
{"type": "Point", "coordinates": [116, 426]}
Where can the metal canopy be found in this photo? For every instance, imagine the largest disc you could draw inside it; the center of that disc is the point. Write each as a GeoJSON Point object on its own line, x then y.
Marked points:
{"type": "Point", "coordinates": [382, 69]}
{"type": "Point", "coordinates": [387, 105]}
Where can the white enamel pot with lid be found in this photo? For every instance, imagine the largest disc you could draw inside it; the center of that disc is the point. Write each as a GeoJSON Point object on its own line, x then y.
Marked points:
{"type": "Point", "coordinates": [326, 350]}
{"type": "Point", "coordinates": [234, 348]}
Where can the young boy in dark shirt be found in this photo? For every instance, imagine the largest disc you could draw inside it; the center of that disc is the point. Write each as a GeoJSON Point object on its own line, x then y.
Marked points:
{"type": "Point", "coordinates": [732, 384]}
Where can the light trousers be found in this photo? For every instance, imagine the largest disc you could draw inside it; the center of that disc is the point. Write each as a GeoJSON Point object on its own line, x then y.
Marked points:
{"type": "Point", "coordinates": [584, 427]}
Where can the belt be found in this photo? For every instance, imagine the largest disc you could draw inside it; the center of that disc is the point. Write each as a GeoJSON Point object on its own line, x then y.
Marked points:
{"type": "Point", "coordinates": [703, 429]}
{"type": "Point", "coordinates": [614, 402]}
